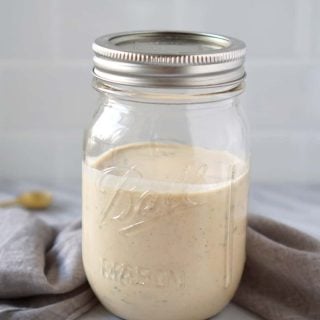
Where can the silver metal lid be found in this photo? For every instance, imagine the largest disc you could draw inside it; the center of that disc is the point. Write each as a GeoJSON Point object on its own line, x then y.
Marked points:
{"type": "Point", "coordinates": [169, 59]}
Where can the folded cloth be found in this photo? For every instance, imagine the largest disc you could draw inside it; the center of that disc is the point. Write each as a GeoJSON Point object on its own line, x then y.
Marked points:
{"type": "Point", "coordinates": [281, 280]}
{"type": "Point", "coordinates": [41, 272]}
{"type": "Point", "coordinates": [42, 276]}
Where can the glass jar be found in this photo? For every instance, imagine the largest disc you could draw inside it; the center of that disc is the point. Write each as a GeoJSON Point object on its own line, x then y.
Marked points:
{"type": "Point", "coordinates": [165, 175]}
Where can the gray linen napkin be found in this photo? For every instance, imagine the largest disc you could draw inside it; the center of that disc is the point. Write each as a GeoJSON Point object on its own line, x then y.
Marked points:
{"type": "Point", "coordinates": [42, 277]}
{"type": "Point", "coordinates": [41, 272]}
{"type": "Point", "coordinates": [281, 280]}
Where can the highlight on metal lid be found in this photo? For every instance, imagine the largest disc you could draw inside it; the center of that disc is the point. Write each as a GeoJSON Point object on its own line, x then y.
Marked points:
{"type": "Point", "coordinates": [169, 59]}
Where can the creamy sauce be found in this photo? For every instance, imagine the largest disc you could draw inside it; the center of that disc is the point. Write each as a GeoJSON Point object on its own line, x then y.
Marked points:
{"type": "Point", "coordinates": [164, 230]}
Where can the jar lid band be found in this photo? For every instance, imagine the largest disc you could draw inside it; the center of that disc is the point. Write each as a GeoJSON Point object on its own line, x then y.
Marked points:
{"type": "Point", "coordinates": [169, 59]}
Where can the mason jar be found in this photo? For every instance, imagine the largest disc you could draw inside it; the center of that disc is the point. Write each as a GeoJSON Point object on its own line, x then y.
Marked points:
{"type": "Point", "coordinates": [165, 175]}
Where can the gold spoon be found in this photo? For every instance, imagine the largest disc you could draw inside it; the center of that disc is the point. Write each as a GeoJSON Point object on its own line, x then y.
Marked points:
{"type": "Point", "coordinates": [34, 200]}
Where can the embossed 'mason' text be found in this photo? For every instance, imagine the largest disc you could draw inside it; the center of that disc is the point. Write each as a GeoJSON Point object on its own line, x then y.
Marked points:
{"type": "Point", "coordinates": [129, 275]}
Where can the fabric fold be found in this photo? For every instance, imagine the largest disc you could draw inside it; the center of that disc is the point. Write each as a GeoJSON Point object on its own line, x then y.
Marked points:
{"type": "Point", "coordinates": [281, 280]}
{"type": "Point", "coordinates": [41, 271]}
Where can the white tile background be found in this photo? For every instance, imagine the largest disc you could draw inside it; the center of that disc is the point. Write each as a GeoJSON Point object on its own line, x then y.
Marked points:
{"type": "Point", "coordinates": [45, 82]}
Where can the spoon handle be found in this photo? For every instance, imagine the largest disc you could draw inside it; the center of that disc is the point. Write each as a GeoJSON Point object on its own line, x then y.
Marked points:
{"type": "Point", "coordinates": [8, 203]}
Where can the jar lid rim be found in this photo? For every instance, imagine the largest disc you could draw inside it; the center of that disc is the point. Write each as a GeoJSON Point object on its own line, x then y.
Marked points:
{"type": "Point", "coordinates": [184, 58]}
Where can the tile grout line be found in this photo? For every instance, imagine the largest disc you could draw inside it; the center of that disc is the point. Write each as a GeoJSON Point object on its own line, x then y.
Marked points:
{"type": "Point", "coordinates": [55, 36]}
{"type": "Point", "coordinates": [303, 15]}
